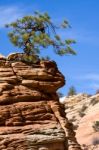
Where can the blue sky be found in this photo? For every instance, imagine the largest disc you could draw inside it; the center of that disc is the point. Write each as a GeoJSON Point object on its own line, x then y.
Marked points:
{"type": "Point", "coordinates": [81, 71]}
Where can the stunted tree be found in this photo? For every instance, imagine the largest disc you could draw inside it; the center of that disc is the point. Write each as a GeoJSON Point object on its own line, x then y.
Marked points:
{"type": "Point", "coordinates": [72, 91]}
{"type": "Point", "coordinates": [33, 33]}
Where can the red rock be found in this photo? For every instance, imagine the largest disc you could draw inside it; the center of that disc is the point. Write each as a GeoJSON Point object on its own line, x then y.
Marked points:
{"type": "Point", "coordinates": [31, 116]}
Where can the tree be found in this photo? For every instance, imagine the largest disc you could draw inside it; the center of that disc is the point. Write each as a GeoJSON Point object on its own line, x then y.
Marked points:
{"type": "Point", "coordinates": [72, 91]}
{"type": "Point", "coordinates": [32, 33]}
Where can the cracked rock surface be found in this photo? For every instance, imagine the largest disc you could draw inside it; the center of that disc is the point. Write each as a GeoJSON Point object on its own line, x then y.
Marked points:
{"type": "Point", "coordinates": [31, 117]}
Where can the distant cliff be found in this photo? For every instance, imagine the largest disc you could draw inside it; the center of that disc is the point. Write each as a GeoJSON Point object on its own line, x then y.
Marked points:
{"type": "Point", "coordinates": [83, 111]}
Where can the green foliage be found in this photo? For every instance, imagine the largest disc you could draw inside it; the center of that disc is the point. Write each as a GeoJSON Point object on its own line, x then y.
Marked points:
{"type": "Point", "coordinates": [32, 33]}
{"type": "Point", "coordinates": [96, 126]}
{"type": "Point", "coordinates": [84, 107]}
{"type": "Point", "coordinates": [45, 58]}
{"type": "Point", "coordinates": [93, 101]}
{"type": "Point", "coordinates": [81, 114]}
{"type": "Point", "coordinates": [82, 111]}
{"type": "Point", "coordinates": [72, 91]}
{"type": "Point", "coordinates": [95, 141]}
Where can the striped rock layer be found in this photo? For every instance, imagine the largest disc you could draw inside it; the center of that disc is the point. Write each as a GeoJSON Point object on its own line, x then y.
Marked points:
{"type": "Point", "coordinates": [31, 117]}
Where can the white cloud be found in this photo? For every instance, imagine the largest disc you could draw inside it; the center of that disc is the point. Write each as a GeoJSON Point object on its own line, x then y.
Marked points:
{"type": "Point", "coordinates": [9, 14]}
{"type": "Point", "coordinates": [94, 86]}
{"type": "Point", "coordinates": [91, 76]}
{"type": "Point", "coordinates": [89, 81]}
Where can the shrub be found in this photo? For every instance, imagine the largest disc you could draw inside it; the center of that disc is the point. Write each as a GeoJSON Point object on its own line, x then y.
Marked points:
{"type": "Point", "coordinates": [84, 107]}
{"type": "Point", "coordinates": [93, 101]}
{"type": "Point", "coordinates": [72, 91]}
{"type": "Point", "coordinates": [95, 141]}
{"type": "Point", "coordinates": [96, 126]}
{"type": "Point", "coordinates": [81, 114]}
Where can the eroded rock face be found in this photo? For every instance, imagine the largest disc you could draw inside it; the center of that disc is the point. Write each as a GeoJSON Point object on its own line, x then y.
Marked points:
{"type": "Point", "coordinates": [31, 117]}
{"type": "Point", "coordinates": [83, 111]}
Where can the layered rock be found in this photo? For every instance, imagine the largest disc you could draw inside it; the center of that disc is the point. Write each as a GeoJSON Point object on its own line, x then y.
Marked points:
{"type": "Point", "coordinates": [83, 111]}
{"type": "Point", "coordinates": [89, 136]}
{"type": "Point", "coordinates": [31, 117]}
{"type": "Point", "coordinates": [76, 107]}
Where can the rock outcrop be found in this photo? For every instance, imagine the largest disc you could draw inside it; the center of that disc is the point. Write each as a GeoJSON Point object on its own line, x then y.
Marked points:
{"type": "Point", "coordinates": [31, 117]}
{"type": "Point", "coordinates": [76, 106]}
{"type": "Point", "coordinates": [83, 111]}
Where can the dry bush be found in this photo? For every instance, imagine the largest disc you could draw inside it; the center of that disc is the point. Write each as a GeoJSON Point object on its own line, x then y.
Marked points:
{"type": "Point", "coordinates": [95, 141]}
{"type": "Point", "coordinates": [96, 126]}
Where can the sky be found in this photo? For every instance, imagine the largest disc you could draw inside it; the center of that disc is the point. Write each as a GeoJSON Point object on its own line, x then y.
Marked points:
{"type": "Point", "coordinates": [80, 71]}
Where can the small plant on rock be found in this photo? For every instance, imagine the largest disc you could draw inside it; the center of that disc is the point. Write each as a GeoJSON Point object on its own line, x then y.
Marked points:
{"type": "Point", "coordinates": [96, 126]}
{"type": "Point", "coordinates": [93, 101]}
{"type": "Point", "coordinates": [95, 141]}
{"type": "Point", "coordinates": [81, 111]}
{"type": "Point", "coordinates": [81, 114]}
{"type": "Point", "coordinates": [84, 107]}
{"type": "Point", "coordinates": [72, 91]}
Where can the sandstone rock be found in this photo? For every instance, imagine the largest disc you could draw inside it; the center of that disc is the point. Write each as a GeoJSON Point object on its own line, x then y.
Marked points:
{"type": "Point", "coordinates": [86, 123]}
{"type": "Point", "coordinates": [23, 57]}
{"type": "Point", "coordinates": [83, 111]}
{"type": "Point", "coordinates": [31, 117]}
{"type": "Point", "coordinates": [73, 106]}
{"type": "Point", "coordinates": [2, 57]}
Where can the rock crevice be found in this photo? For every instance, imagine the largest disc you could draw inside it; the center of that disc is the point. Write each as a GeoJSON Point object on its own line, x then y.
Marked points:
{"type": "Point", "coordinates": [31, 116]}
